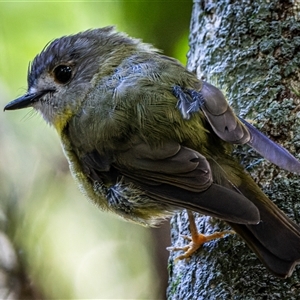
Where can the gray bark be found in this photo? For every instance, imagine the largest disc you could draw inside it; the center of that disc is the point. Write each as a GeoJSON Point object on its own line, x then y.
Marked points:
{"type": "Point", "coordinates": [249, 49]}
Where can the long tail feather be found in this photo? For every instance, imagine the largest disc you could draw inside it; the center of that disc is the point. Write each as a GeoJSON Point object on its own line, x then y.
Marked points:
{"type": "Point", "coordinates": [271, 151]}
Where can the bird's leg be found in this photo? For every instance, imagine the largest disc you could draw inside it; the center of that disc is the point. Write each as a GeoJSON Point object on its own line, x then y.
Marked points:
{"type": "Point", "coordinates": [196, 239]}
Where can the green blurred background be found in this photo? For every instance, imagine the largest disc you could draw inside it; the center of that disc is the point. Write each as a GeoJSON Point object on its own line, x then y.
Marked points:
{"type": "Point", "coordinates": [68, 249]}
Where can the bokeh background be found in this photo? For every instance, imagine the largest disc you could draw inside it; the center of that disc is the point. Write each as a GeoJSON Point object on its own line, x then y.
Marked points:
{"type": "Point", "coordinates": [64, 247]}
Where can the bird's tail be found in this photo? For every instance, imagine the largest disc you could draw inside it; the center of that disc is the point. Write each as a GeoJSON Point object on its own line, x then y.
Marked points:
{"type": "Point", "coordinates": [276, 238]}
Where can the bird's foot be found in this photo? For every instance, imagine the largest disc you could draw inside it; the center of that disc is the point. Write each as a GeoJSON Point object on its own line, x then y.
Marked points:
{"type": "Point", "coordinates": [196, 239]}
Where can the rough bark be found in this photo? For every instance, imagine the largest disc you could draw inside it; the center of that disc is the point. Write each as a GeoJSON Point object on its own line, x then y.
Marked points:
{"type": "Point", "coordinates": [249, 49]}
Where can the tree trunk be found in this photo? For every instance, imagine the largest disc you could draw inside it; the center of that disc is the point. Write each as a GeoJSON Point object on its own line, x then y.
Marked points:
{"type": "Point", "coordinates": [249, 49]}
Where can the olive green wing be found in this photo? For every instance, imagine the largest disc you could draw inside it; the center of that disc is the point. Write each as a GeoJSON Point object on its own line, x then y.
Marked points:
{"type": "Point", "coordinates": [229, 127]}
{"type": "Point", "coordinates": [181, 177]}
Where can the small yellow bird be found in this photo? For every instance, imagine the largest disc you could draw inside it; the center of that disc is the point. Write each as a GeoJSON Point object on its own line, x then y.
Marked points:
{"type": "Point", "coordinates": [144, 138]}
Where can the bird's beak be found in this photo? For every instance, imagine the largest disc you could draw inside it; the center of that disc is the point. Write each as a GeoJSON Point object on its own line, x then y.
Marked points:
{"type": "Point", "coordinates": [25, 101]}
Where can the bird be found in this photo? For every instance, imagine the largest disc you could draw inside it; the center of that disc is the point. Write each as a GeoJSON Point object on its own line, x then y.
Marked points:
{"type": "Point", "coordinates": [145, 138]}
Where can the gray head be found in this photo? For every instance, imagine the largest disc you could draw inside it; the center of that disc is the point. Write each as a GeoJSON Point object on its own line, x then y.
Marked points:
{"type": "Point", "coordinates": [62, 74]}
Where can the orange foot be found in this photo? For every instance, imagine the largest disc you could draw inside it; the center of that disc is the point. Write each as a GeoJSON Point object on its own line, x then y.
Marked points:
{"type": "Point", "coordinates": [196, 240]}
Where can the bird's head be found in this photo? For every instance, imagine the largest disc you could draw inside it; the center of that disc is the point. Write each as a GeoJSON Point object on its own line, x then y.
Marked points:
{"type": "Point", "coordinates": [61, 76]}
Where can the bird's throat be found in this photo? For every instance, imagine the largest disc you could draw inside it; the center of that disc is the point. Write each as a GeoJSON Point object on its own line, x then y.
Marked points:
{"type": "Point", "coordinates": [61, 120]}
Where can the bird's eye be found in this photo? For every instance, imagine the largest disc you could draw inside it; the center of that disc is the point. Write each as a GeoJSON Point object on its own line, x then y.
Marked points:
{"type": "Point", "coordinates": [62, 74]}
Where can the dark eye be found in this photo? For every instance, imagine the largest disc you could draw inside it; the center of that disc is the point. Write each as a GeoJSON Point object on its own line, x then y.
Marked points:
{"type": "Point", "coordinates": [62, 73]}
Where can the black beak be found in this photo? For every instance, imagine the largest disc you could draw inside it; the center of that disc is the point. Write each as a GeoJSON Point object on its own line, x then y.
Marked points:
{"type": "Point", "coordinates": [25, 100]}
